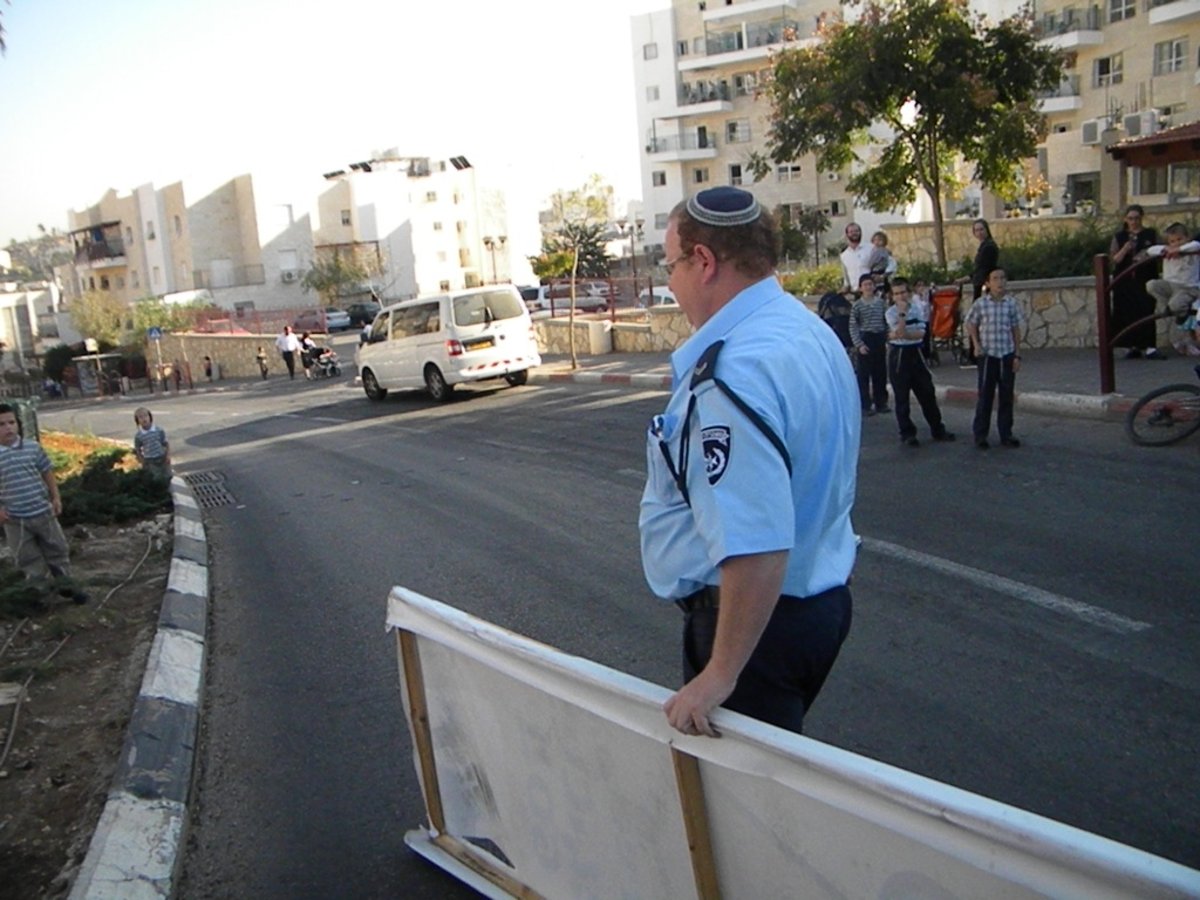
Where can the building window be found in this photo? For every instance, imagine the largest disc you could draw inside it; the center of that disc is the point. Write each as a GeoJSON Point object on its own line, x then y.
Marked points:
{"type": "Point", "coordinates": [1170, 56]}
{"type": "Point", "coordinates": [1119, 10]}
{"type": "Point", "coordinates": [1108, 70]}
{"type": "Point", "coordinates": [700, 176]}
{"type": "Point", "coordinates": [1185, 182]}
{"type": "Point", "coordinates": [91, 282]}
{"type": "Point", "coordinates": [149, 231]}
{"type": "Point", "coordinates": [787, 172]}
{"type": "Point", "coordinates": [737, 131]}
{"type": "Point", "coordinates": [104, 286]}
{"type": "Point", "coordinates": [745, 85]}
{"type": "Point", "coordinates": [437, 226]}
{"type": "Point", "coordinates": [443, 285]}
{"type": "Point", "coordinates": [178, 227]}
{"type": "Point", "coordinates": [650, 51]}
{"type": "Point", "coordinates": [345, 217]}
{"type": "Point", "coordinates": [658, 179]}
{"type": "Point", "coordinates": [837, 208]}
{"type": "Point", "coordinates": [461, 226]}
{"type": "Point", "coordinates": [735, 173]}
{"type": "Point", "coordinates": [157, 276]}
{"type": "Point", "coordinates": [1151, 180]}
{"type": "Point", "coordinates": [681, 48]}
{"type": "Point", "coordinates": [652, 93]}
{"type": "Point", "coordinates": [431, 196]}
{"type": "Point", "coordinates": [661, 220]}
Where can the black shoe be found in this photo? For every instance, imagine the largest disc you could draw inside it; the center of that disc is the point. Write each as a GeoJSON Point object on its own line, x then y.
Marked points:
{"type": "Point", "coordinates": [910, 441]}
{"type": "Point", "coordinates": [1155, 353]}
{"type": "Point", "coordinates": [1009, 442]}
{"type": "Point", "coordinates": [1133, 353]}
{"type": "Point", "coordinates": [982, 443]}
{"type": "Point", "coordinates": [946, 436]}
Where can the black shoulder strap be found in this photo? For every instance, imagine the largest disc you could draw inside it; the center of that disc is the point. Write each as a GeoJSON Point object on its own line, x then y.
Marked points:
{"type": "Point", "coordinates": [706, 370]}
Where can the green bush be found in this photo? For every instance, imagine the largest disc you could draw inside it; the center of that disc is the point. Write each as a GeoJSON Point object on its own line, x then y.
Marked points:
{"type": "Point", "coordinates": [102, 494]}
{"type": "Point", "coordinates": [814, 281]}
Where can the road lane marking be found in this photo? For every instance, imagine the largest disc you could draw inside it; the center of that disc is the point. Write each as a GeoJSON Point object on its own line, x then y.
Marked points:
{"type": "Point", "coordinates": [1085, 612]}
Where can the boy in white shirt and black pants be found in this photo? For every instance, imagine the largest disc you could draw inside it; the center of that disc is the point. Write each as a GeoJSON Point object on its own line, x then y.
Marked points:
{"type": "Point", "coordinates": [906, 367]}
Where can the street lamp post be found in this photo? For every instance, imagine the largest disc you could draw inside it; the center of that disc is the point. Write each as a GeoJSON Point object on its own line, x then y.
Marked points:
{"type": "Point", "coordinates": [492, 243]}
{"type": "Point", "coordinates": [635, 232]}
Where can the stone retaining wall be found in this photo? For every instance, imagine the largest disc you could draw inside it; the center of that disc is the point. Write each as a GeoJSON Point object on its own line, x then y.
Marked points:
{"type": "Point", "coordinates": [233, 353]}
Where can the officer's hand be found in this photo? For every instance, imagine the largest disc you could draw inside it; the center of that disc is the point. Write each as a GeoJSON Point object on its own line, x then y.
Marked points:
{"type": "Point", "coordinates": [688, 710]}
{"type": "Point", "coordinates": [864, 350]}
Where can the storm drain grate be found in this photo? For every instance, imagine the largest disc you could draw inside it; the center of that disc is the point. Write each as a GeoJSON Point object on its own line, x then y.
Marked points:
{"type": "Point", "coordinates": [209, 488]}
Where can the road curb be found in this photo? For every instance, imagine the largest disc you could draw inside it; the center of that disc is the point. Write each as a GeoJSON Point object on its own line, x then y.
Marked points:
{"type": "Point", "coordinates": [135, 850]}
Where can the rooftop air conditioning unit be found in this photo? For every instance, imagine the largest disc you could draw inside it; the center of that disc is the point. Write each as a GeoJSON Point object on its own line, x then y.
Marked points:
{"type": "Point", "coordinates": [1091, 131]}
{"type": "Point", "coordinates": [1141, 123]}
{"type": "Point", "coordinates": [288, 276]}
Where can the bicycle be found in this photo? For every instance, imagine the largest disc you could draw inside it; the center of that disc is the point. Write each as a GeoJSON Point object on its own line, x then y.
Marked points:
{"type": "Point", "coordinates": [1165, 415]}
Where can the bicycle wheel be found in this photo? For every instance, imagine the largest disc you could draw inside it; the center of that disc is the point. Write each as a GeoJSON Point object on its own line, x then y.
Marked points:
{"type": "Point", "coordinates": [1165, 415]}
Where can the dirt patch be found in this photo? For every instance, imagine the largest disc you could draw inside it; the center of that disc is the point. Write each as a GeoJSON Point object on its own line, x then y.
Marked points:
{"type": "Point", "coordinates": [63, 750]}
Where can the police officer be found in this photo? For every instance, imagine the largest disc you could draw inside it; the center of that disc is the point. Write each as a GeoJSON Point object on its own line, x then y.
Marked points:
{"type": "Point", "coordinates": [745, 519]}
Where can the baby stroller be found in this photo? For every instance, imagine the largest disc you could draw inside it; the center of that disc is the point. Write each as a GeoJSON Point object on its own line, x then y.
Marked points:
{"type": "Point", "coordinates": [324, 362]}
{"type": "Point", "coordinates": [945, 325]}
{"type": "Point", "coordinates": [834, 310]}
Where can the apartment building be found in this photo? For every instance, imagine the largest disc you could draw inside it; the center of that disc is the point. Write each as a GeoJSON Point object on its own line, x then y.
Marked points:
{"type": "Point", "coordinates": [1132, 70]}
{"type": "Point", "coordinates": [417, 224]}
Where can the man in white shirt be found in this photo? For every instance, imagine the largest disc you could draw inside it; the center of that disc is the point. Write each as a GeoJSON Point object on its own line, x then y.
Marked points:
{"type": "Point", "coordinates": [856, 258]}
{"type": "Point", "coordinates": [288, 345]}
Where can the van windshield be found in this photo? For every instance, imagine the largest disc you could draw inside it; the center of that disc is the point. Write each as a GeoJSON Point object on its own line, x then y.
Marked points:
{"type": "Point", "coordinates": [479, 309]}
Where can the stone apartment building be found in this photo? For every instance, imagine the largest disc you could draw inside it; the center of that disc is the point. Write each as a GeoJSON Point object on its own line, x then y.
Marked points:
{"type": "Point", "coordinates": [1132, 70]}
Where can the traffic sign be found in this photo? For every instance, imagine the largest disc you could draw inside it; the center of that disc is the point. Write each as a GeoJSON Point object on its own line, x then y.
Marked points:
{"type": "Point", "coordinates": [154, 333]}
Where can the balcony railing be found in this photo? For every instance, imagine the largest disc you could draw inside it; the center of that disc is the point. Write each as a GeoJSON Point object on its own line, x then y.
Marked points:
{"type": "Point", "coordinates": [760, 34]}
{"type": "Point", "coordinates": [1068, 88]}
{"type": "Point", "coordinates": [681, 142]}
{"type": "Point", "coordinates": [99, 250]}
{"type": "Point", "coordinates": [704, 92]}
{"type": "Point", "coordinates": [1065, 21]}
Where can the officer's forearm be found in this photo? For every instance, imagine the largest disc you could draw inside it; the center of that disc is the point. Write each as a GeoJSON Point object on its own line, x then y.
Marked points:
{"type": "Point", "coordinates": [750, 588]}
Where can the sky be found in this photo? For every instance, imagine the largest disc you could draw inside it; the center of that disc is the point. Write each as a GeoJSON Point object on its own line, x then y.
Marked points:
{"type": "Point", "coordinates": [538, 95]}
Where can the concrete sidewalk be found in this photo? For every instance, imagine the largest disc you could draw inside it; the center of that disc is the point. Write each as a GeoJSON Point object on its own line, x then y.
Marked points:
{"type": "Point", "coordinates": [1065, 382]}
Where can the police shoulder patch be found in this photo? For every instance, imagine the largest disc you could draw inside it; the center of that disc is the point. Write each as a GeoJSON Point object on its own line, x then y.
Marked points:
{"type": "Point", "coordinates": [716, 440]}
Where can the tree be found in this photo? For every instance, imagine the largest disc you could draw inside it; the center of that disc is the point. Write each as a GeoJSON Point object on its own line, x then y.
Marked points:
{"type": "Point", "coordinates": [946, 85]}
{"type": "Point", "coordinates": [581, 215]}
{"type": "Point", "coordinates": [798, 227]}
{"type": "Point", "coordinates": [329, 277]}
{"type": "Point", "coordinates": [101, 315]}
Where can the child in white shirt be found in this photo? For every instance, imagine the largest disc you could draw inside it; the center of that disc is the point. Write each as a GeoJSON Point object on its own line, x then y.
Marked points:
{"type": "Point", "coordinates": [1179, 287]}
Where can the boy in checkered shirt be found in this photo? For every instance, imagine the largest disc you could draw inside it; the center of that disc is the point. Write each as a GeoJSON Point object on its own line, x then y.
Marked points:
{"type": "Point", "coordinates": [995, 323]}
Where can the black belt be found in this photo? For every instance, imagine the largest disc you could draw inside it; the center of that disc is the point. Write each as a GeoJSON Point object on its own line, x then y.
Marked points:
{"type": "Point", "coordinates": [709, 597]}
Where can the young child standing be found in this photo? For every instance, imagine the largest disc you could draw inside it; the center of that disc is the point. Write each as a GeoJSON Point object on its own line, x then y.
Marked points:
{"type": "Point", "coordinates": [907, 369]}
{"type": "Point", "coordinates": [868, 331]}
{"type": "Point", "coordinates": [994, 324]}
{"type": "Point", "coordinates": [30, 505]}
{"type": "Point", "coordinates": [150, 444]}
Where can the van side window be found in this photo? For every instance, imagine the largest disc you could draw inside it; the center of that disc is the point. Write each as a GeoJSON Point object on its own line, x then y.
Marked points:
{"type": "Point", "coordinates": [379, 328]}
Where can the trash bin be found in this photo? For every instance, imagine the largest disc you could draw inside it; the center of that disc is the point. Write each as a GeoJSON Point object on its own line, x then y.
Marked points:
{"type": "Point", "coordinates": [26, 408]}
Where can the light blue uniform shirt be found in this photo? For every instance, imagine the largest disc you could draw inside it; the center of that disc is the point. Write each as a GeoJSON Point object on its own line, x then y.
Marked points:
{"type": "Point", "coordinates": [789, 367]}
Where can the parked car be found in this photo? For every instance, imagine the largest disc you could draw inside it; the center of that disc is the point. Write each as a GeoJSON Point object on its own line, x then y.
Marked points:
{"type": "Point", "coordinates": [659, 296]}
{"type": "Point", "coordinates": [558, 296]}
{"type": "Point", "coordinates": [362, 313]}
{"type": "Point", "coordinates": [328, 319]}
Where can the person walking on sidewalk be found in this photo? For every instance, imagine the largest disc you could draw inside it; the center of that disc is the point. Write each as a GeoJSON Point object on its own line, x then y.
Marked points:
{"type": "Point", "coordinates": [995, 324]}
{"type": "Point", "coordinates": [868, 331]}
{"type": "Point", "coordinates": [745, 517]}
{"type": "Point", "coordinates": [288, 345]}
{"type": "Point", "coordinates": [907, 369]}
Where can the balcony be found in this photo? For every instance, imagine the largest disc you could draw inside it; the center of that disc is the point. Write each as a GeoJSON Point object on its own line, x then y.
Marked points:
{"type": "Point", "coordinates": [1163, 11]}
{"type": "Point", "coordinates": [1070, 27]}
{"type": "Point", "coordinates": [682, 148]}
{"type": "Point", "coordinates": [747, 8]}
{"type": "Point", "coordinates": [102, 254]}
{"type": "Point", "coordinates": [701, 98]}
{"type": "Point", "coordinates": [747, 42]}
{"type": "Point", "coordinates": [1064, 99]}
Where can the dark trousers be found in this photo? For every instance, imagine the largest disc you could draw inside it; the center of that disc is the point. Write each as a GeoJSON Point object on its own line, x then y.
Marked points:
{"type": "Point", "coordinates": [872, 370]}
{"type": "Point", "coordinates": [289, 360]}
{"type": "Point", "coordinates": [788, 667]}
{"type": "Point", "coordinates": [908, 373]}
{"type": "Point", "coordinates": [995, 373]}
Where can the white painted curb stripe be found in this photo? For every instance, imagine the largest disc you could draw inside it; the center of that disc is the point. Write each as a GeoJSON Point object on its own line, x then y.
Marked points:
{"type": "Point", "coordinates": [133, 851]}
{"type": "Point", "coordinates": [173, 670]}
{"type": "Point", "coordinates": [188, 577]}
{"type": "Point", "coordinates": [1085, 612]}
{"type": "Point", "coordinates": [189, 528]}
{"type": "Point", "coordinates": [182, 499]}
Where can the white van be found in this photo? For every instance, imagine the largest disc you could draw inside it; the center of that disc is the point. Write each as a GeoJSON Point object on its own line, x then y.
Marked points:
{"type": "Point", "coordinates": [440, 341]}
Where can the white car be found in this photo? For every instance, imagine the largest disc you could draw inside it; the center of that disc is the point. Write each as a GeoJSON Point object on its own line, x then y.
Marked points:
{"type": "Point", "coordinates": [558, 297]}
{"type": "Point", "coordinates": [660, 295]}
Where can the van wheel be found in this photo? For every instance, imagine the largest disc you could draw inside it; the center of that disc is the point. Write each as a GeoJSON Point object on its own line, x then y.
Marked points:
{"type": "Point", "coordinates": [516, 379]}
{"type": "Point", "coordinates": [435, 383]}
{"type": "Point", "coordinates": [371, 386]}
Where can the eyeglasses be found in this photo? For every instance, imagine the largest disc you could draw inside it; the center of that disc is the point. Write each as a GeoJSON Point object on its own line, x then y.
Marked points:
{"type": "Point", "coordinates": [670, 264]}
{"type": "Point", "coordinates": [1133, 218]}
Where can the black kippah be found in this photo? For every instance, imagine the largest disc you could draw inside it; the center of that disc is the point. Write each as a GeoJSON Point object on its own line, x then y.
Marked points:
{"type": "Point", "coordinates": [724, 206]}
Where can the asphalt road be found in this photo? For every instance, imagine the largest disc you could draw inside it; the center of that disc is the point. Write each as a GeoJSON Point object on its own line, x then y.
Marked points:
{"type": "Point", "coordinates": [1025, 621]}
